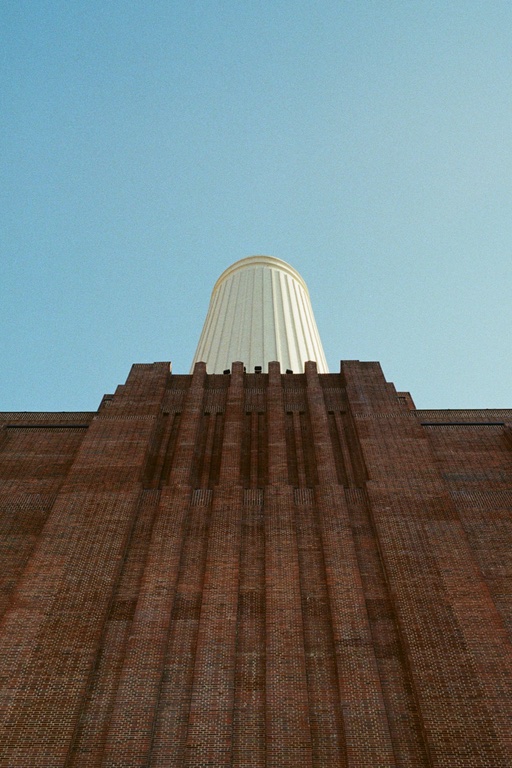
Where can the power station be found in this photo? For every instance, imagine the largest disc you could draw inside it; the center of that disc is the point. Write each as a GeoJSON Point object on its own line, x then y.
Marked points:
{"type": "Point", "coordinates": [260, 563]}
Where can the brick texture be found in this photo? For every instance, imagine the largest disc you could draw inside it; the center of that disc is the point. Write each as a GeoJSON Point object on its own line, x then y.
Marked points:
{"type": "Point", "coordinates": [256, 570]}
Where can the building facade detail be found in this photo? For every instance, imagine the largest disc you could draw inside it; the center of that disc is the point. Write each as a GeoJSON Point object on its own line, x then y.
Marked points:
{"type": "Point", "coordinates": [256, 569]}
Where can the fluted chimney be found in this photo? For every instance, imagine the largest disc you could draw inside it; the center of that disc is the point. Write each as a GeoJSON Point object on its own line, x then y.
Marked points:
{"type": "Point", "coordinates": [260, 311]}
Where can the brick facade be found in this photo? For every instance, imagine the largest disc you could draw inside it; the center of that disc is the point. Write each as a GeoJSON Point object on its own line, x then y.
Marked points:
{"type": "Point", "coordinates": [256, 570]}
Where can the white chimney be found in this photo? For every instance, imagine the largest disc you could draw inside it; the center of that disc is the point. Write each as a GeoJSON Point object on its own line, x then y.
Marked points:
{"type": "Point", "coordinates": [260, 311]}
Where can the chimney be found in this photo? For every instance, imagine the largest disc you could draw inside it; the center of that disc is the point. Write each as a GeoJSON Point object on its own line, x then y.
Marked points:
{"type": "Point", "coordinates": [260, 311]}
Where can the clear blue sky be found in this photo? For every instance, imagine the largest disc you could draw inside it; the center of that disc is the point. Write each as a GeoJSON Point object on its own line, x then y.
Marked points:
{"type": "Point", "coordinates": [145, 146]}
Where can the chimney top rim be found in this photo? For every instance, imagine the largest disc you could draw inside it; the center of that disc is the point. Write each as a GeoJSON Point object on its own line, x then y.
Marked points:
{"type": "Point", "coordinates": [262, 261]}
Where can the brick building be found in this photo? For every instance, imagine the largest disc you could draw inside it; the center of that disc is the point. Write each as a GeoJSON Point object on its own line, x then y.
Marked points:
{"type": "Point", "coordinates": [256, 569]}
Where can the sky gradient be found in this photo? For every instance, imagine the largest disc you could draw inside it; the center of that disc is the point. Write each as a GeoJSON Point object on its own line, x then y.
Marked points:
{"type": "Point", "coordinates": [147, 146]}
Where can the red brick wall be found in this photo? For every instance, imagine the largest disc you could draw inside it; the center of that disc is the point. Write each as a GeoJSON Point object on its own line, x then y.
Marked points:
{"type": "Point", "coordinates": [256, 570]}
{"type": "Point", "coordinates": [36, 453]}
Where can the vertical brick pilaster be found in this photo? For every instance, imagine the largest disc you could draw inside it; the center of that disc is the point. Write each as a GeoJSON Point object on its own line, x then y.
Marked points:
{"type": "Point", "coordinates": [233, 428]}
{"type": "Point", "coordinates": [325, 713]}
{"type": "Point", "coordinates": [401, 709]}
{"type": "Point", "coordinates": [288, 727]}
{"type": "Point", "coordinates": [169, 731]}
{"type": "Point", "coordinates": [181, 469]}
{"type": "Point", "coordinates": [210, 722]}
{"type": "Point", "coordinates": [277, 461]}
{"type": "Point", "coordinates": [129, 738]}
{"type": "Point", "coordinates": [249, 740]}
{"type": "Point", "coordinates": [89, 743]}
{"type": "Point", "coordinates": [326, 467]}
{"type": "Point", "coordinates": [367, 737]}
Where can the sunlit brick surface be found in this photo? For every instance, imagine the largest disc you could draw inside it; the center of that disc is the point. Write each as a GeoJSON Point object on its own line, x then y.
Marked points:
{"type": "Point", "coordinates": [256, 570]}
